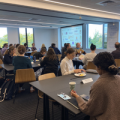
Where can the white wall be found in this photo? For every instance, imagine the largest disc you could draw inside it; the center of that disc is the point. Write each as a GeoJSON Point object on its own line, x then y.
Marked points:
{"type": "Point", "coordinates": [13, 35]}
{"type": "Point", "coordinates": [45, 36]}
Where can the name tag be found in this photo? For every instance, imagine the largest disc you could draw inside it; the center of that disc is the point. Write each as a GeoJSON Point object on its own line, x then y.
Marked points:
{"type": "Point", "coordinates": [87, 80]}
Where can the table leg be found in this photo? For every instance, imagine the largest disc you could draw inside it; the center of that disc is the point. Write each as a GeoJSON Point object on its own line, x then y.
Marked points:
{"type": "Point", "coordinates": [64, 115]}
{"type": "Point", "coordinates": [46, 114]}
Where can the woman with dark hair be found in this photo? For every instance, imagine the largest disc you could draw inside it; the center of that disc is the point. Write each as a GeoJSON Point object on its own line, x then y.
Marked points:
{"type": "Point", "coordinates": [89, 56]}
{"type": "Point", "coordinates": [105, 93]}
{"type": "Point", "coordinates": [26, 46]}
{"type": "Point", "coordinates": [67, 64]}
{"type": "Point", "coordinates": [40, 54]}
{"type": "Point", "coordinates": [21, 62]}
{"type": "Point", "coordinates": [9, 53]}
{"type": "Point", "coordinates": [50, 62]}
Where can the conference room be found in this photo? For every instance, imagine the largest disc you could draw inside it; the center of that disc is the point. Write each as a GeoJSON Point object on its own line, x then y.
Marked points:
{"type": "Point", "coordinates": [62, 55]}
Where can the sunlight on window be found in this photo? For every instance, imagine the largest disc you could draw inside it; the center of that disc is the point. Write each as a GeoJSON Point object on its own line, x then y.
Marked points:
{"type": "Point", "coordinates": [95, 35]}
{"type": "Point", "coordinates": [3, 36]}
{"type": "Point", "coordinates": [30, 36]}
{"type": "Point", "coordinates": [22, 34]}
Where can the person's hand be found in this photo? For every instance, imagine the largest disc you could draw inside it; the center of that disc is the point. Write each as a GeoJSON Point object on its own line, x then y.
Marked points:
{"type": "Point", "coordinates": [74, 94]}
{"type": "Point", "coordinates": [43, 58]}
{"type": "Point", "coordinates": [81, 70]}
{"type": "Point", "coordinates": [80, 58]}
{"type": "Point", "coordinates": [76, 71]}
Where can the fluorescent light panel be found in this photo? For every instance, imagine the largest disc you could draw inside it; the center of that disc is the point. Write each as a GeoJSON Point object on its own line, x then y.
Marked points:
{"type": "Point", "coordinates": [81, 7]}
{"type": "Point", "coordinates": [27, 25]}
{"type": "Point", "coordinates": [33, 22]}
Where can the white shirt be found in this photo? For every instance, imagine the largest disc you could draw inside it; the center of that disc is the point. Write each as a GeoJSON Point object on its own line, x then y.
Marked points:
{"type": "Point", "coordinates": [88, 57]}
{"type": "Point", "coordinates": [66, 66]}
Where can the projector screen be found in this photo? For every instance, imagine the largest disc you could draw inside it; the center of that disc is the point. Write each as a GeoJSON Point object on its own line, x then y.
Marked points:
{"type": "Point", "coordinates": [71, 35]}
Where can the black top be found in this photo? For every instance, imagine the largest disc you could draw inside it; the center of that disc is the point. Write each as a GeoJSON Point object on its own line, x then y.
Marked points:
{"type": "Point", "coordinates": [57, 51]}
{"type": "Point", "coordinates": [116, 54]}
{"type": "Point", "coordinates": [7, 59]}
{"type": "Point", "coordinates": [38, 55]}
{"type": "Point", "coordinates": [51, 66]}
{"type": "Point", "coordinates": [21, 62]}
{"type": "Point", "coordinates": [63, 53]}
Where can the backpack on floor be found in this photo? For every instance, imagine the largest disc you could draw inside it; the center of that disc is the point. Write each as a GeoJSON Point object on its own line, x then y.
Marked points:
{"type": "Point", "coordinates": [7, 90]}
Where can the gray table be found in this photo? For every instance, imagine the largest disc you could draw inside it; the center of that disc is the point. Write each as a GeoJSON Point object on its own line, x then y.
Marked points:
{"type": "Point", "coordinates": [54, 86]}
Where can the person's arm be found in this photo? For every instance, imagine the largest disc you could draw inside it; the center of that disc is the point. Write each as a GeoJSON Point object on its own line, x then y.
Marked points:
{"type": "Point", "coordinates": [8, 59]}
{"type": "Point", "coordinates": [97, 98]}
{"type": "Point", "coordinates": [43, 61]}
{"type": "Point", "coordinates": [64, 69]}
{"type": "Point", "coordinates": [29, 63]}
{"type": "Point", "coordinates": [83, 52]}
{"type": "Point", "coordinates": [84, 60]}
{"type": "Point", "coordinates": [58, 51]}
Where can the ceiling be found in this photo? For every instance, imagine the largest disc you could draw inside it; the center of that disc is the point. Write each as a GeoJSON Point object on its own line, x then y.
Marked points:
{"type": "Point", "coordinates": [22, 16]}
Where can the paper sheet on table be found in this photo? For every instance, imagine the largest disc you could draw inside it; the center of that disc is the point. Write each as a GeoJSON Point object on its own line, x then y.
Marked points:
{"type": "Point", "coordinates": [81, 56]}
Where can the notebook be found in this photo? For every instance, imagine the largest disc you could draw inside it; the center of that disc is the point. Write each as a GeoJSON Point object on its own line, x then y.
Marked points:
{"type": "Point", "coordinates": [73, 102]}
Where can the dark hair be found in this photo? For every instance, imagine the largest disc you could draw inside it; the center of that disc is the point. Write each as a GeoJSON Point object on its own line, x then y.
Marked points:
{"type": "Point", "coordinates": [51, 54]}
{"type": "Point", "coordinates": [70, 51]}
{"type": "Point", "coordinates": [106, 62]}
{"type": "Point", "coordinates": [25, 44]}
{"type": "Point", "coordinates": [42, 50]}
{"type": "Point", "coordinates": [21, 49]}
{"type": "Point", "coordinates": [5, 45]}
{"type": "Point", "coordinates": [67, 44]}
{"type": "Point", "coordinates": [8, 51]}
{"type": "Point", "coordinates": [10, 45]}
{"type": "Point", "coordinates": [117, 45]}
{"type": "Point", "coordinates": [53, 45]}
{"type": "Point", "coordinates": [93, 47]}
{"type": "Point", "coordinates": [17, 45]}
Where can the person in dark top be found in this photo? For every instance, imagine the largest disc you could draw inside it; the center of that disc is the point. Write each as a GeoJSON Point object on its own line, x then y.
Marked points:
{"type": "Point", "coordinates": [8, 57]}
{"type": "Point", "coordinates": [57, 51]}
{"type": "Point", "coordinates": [40, 54]}
{"type": "Point", "coordinates": [50, 62]}
{"type": "Point", "coordinates": [21, 62]}
{"type": "Point", "coordinates": [116, 53]}
{"type": "Point", "coordinates": [33, 48]}
{"type": "Point", "coordinates": [26, 46]}
{"type": "Point", "coordinates": [66, 47]}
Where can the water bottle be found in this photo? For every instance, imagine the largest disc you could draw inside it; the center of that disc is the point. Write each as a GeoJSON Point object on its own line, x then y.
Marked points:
{"type": "Point", "coordinates": [34, 59]}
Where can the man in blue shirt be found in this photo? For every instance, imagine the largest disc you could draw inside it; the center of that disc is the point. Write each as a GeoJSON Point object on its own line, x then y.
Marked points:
{"type": "Point", "coordinates": [57, 51]}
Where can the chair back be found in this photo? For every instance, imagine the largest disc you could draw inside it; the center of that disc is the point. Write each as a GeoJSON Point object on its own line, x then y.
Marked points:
{"type": "Point", "coordinates": [46, 76]}
{"type": "Point", "coordinates": [33, 53]}
{"type": "Point", "coordinates": [91, 65]}
{"type": "Point", "coordinates": [1, 62]}
{"type": "Point", "coordinates": [117, 61]}
{"type": "Point", "coordinates": [24, 75]}
{"type": "Point", "coordinates": [43, 77]}
{"type": "Point", "coordinates": [59, 57]}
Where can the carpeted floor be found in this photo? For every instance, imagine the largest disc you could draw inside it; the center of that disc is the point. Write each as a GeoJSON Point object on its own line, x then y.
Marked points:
{"type": "Point", "coordinates": [25, 106]}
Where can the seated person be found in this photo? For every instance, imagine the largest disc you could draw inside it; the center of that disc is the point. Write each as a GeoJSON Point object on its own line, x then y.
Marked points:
{"type": "Point", "coordinates": [105, 92]}
{"type": "Point", "coordinates": [17, 49]}
{"type": "Point", "coordinates": [21, 62]}
{"type": "Point", "coordinates": [1, 57]}
{"type": "Point", "coordinates": [26, 46]}
{"type": "Point", "coordinates": [33, 48]}
{"type": "Point", "coordinates": [67, 64]}
{"type": "Point", "coordinates": [5, 47]}
{"type": "Point", "coordinates": [43, 46]}
{"type": "Point", "coordinates": [50, 62]}
{"type": "Point", "coordinates": [8, 57]}
{"type": "Point", "coordinates": [89, 56]}
{"type": "Point", "coordinates": [10, 45]}
{"type": "Point", "coordinates": [66, 46]}
{"type": "Point", "coordinates": [40, 54]}
{"type": "Point", "coordinates": [55, 49]}
{"type": "Point", "coordinates": [116, 53]}
{"type": "Point", "coordinates": [79, 50]}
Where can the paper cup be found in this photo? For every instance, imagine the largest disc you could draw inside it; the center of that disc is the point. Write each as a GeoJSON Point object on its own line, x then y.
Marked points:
{"type": "Point", "coordinates": [72, 85]}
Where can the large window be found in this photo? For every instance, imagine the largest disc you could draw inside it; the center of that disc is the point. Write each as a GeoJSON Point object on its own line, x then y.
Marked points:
{"type": "Point", "coordinates": [97, 34]}
{"type": "Point", "coordinates": [3, 36]}
{"type": "Point", "coordinates": [26, 36]}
